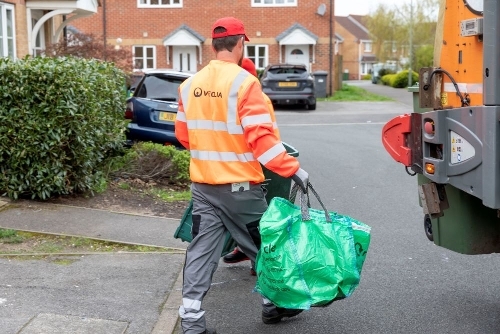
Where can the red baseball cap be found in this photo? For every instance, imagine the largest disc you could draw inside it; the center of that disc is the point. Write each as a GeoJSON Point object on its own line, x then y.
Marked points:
{"type": "Point", "coordinates": [232, 25]}
{"type": "Point", "coordinates": [247, 64]}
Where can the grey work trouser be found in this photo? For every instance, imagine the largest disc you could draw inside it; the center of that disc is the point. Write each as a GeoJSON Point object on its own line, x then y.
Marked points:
{"type": "Point", "coordinates": [215, 209]}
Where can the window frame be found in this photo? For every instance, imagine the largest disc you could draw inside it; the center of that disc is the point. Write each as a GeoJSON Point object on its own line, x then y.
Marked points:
{"type": "Point", "coordinates": [6, 51]}
{"type": "Point", "coordinates": [148, 4]}
{"type": "Point", "coordinates": [254, 59]}
{"type": "Point", "coordinates": [274, 4]}
{"type": "Point", "coordinates": [144, 49]}
{"type": "Point", "coordinates": [367, 46]}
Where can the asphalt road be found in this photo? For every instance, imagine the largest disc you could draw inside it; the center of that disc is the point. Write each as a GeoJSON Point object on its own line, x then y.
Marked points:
{"type": "Point", "coordinates": [408, 284]}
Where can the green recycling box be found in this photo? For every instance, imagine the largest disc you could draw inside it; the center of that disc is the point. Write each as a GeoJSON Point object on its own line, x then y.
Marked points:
{"type": "Point", "coordinates": [276, 186]}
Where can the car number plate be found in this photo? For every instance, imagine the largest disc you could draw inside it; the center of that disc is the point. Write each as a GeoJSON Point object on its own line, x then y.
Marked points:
{"type": "Point", "coordinates": [287, 84]}
{"type": "Point", "coordinates": [167, 116]}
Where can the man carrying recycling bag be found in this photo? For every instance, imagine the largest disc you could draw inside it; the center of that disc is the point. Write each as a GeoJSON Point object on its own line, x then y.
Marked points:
{"type": "Point", "coordinates": [308, 257]}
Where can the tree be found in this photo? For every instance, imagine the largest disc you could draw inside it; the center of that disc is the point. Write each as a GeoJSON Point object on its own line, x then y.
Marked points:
{"type": "Point", "coordinates": [424, 56]}
{"type": "Point", "coordinates": [383, 31]}
{"type": "Point", "coordinates": [90, 47]}
{"type": "Point", "coordinates": [390, 29]}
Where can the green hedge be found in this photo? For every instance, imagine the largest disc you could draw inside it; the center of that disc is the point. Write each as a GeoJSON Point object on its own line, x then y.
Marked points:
{"type": "Point", "coordinates": [385, 71]}
{"type": "Point", "coordinates": [60, 118]}
{"type": "Point", "coordinates": [388, 79]}
{"type": "Point", "coordinates": [399, 80]}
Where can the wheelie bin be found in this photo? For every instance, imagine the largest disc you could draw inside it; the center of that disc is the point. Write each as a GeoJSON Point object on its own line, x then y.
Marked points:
{"type": "Point", "coordinates": [276, 186]}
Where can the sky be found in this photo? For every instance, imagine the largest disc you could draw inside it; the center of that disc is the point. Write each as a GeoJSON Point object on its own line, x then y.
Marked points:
{"type": "Point", "coordinates": [361, 7]}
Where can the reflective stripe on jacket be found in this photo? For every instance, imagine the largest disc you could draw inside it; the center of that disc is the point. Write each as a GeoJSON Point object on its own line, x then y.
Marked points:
{"type": "Point", "coordinates": [224, 120]}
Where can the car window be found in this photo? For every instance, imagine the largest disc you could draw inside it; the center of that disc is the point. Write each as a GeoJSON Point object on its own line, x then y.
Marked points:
{"type": "Point", "coordinates": [160, 87]}
{"type": "Point", "coordinates": [286, 70]}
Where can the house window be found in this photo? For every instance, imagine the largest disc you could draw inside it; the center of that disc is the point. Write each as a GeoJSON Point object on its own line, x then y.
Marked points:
{"type": "Point", "coordinates": [159, 3]}
{"type": "Point", "coordinates": [273, 3]}
{"type": "Point", "coordinates": [258, 54]}
{"type": "Point", "coordinates": [7, 28]}
{"type": "Point", "coordinates": [368, 46]}
{"type": "Point", "coordinates": [144, 58]}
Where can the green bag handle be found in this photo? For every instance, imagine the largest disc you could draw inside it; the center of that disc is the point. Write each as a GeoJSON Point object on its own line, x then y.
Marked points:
{"type": "Point", "coordinates": [305, 203]}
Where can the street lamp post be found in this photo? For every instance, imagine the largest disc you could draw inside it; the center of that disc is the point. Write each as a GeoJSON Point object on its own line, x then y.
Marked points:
{"type": "Point", "coordinates": [330, 60]}
{"type": "Point", "coordinates": [410, 55]}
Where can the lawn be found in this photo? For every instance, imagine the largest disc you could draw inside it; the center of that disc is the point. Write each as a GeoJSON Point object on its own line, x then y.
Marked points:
{"type": "Point", "coordinates": [353, 93]}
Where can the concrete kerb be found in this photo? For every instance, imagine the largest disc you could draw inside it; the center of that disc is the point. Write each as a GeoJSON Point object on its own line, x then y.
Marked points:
{"type": "Point", "coordinates": [3, 204]}
{"type": "Point", "coordinates": [169, 316]}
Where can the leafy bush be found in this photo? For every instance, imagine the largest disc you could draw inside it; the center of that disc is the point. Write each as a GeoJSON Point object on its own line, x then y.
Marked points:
{"type": "Point", "coordinates": [366, 77]}
{"type": "Point", "coordinates": [385, 71]}
{"type": "Point", "coordinates": [148, 162]}
{"type": "Point", "coordinates": [60, 118]}
{"type": "Point", "coordinates": [401, 79]}
{"type": "Point", "coordinates": [388, 79]}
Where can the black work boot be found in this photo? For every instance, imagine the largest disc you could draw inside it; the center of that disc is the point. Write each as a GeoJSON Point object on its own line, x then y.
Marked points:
{"type": "Point", "coordinates": [209, 331]}
{"type": "Point", "coordinates": [274, 316]}
{"type": "Point", "coordinates": [235, 256]}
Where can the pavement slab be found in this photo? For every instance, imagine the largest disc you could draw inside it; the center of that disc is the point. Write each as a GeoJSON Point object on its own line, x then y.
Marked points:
{"type": "Point", "coordinates": [62, 324]}
{"type": "Point", "coordinates": [120, 288]}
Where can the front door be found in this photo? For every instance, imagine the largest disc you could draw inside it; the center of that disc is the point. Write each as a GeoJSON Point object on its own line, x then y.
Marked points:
{"type": "Point", "coordinates": [297, 54]}
{"type": "Point", "coordinates": [184, 58]}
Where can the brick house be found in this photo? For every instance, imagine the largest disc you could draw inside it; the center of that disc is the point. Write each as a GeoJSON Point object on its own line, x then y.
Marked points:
{"type": "Point", "coordinates": [353, 42]}
{"type": "Point", "coordinates": [176, 33]}
{"type": "Point", "coordinates": [27, 26]}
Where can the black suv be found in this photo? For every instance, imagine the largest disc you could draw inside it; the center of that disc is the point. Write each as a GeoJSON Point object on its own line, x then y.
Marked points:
{"type": "Point", "coordinates": [289, 84]}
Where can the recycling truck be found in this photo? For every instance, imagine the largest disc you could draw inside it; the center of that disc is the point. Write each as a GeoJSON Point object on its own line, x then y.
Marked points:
{"type": "Point", "coordinates": [451, 140]}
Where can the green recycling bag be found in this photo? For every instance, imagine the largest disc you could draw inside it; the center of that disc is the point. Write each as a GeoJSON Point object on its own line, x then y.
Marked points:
{"type": "Point", "coordinates": [308, 257]}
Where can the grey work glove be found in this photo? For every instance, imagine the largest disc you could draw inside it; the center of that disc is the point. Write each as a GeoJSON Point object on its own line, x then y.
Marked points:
{"type": "Point", "coordinates": [301, 177]}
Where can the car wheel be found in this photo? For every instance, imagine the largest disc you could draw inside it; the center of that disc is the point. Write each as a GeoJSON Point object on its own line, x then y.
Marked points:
{"type": "Point", "coordinates": [312, 106]}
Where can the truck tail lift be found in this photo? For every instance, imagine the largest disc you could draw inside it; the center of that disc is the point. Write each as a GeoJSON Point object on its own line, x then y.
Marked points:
{"type": "Point", "coordinates": [452, 141]}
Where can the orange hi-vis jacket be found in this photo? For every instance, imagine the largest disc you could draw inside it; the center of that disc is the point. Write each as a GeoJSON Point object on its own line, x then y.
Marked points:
{"type": "Point", "coordinates": [273, 116]}
{"type": "Point", "coordinates": [225, 122]}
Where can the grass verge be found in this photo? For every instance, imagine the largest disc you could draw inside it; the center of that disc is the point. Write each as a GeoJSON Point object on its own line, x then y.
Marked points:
{"type": "Point", "coordinates": [14, 242]}
{"type": "Point", "coordinates": [170, 195]}
{"type": "Point", "coordinates": [355, 94]}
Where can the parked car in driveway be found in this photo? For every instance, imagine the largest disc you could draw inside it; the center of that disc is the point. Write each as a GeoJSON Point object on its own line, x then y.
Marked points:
{"type": "Point", "coordinates": [289, 84]}
{"type": "Point", "coordinates": [152, 109]}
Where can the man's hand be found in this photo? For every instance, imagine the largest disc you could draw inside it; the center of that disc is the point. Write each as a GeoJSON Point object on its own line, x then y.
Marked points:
{"type": "Point", "coordinates": [301, 177]}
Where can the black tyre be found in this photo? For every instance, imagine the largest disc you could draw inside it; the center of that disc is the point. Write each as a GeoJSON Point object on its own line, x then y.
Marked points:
{"type": "Point", "coordinates": [311, 107]}
{"type": "Point", "coordinates": [428, 227]}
